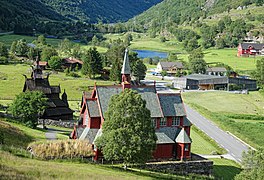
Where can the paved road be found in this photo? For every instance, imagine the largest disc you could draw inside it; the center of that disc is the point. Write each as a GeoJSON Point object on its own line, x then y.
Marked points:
{"type": "Point", "coordinates": [234, 146]}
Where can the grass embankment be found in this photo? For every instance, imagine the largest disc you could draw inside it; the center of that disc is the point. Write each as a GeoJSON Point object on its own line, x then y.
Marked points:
{"type": "Point", "coordinates": [203, 144]}
{"type": "Point", "coordinates": [15, 167]}
{"type": "Point", "coordinates": [241, 114]}
{"type": "Point", "coordinates": [225, 169]}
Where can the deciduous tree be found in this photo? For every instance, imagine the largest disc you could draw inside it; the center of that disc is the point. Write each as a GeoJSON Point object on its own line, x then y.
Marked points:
{"type": "Point", "coordinates": [253, 164]}
{"type": "Point", "coordinates": [27, 106]}
{"type": "Point", "coordinates": [127, 131]}
{"type": "Point", "coordinates": [55, 62]}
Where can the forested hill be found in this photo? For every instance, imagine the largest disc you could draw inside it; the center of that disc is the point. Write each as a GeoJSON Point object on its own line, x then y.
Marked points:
{"type": "Point", "coordinates": [105, 10]}
{"type": "Point", "coordinates": [179, 11]}
{"type": "Point", "coordinates": [30, 12]}
{"type": "Point", "coordinates": [21, 12]}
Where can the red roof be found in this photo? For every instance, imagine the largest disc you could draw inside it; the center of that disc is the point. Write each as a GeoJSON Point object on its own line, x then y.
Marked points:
{"type": "Point", "coordinates": [72, 60]}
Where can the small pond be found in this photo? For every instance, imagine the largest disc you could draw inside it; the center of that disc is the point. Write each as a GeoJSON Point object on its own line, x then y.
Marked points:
{"type": "Point", "coordinates": [151, 54]}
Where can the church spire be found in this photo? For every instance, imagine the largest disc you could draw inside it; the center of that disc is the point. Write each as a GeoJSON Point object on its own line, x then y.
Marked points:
{"type": "Point", "coordinates": [126, 69]}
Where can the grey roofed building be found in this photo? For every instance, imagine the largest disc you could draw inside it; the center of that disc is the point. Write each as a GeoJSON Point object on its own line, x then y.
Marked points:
{"type": "Point", "coordinates": [257, 46]}
{"type": "Point", "coordinates": [168, 65]}
{"type": "Point", "coordinates": [207, 82]}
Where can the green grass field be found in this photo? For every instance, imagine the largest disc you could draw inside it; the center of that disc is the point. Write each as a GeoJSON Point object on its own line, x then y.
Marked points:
{"type": "Point", "coordinates": [12, 82]}
{"type": "Point", "coordinates": [13, 166]}
{"type": "Point", "coordinates": [8, 39]}
{"type": "Point", "coordinates": [241, 114]}
{"type": "Point", "coordinates": [229, 56]}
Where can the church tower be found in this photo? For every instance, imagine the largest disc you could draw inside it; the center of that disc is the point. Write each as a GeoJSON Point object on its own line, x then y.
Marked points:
{"type": "Point", "coordinates": [125, 72]}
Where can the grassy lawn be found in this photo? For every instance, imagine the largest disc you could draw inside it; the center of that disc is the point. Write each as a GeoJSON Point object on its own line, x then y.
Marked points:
{"type": "Point", "coordinates": [155, 45]}
{"type": "Point", "coordinates": [229, 56]}
{"type": "Point", "coordinates": [12, 82]}
{"type": "Point", "coordinates": [243, 115]}
{"type": "Point", "coordinates": [225, 102]}
{"type": "Point", "coordinates": [12, 166]}
{"type": "Point", "coordinates": [225, 169]}
{"type": "Point", "coordinates": [8, 39]}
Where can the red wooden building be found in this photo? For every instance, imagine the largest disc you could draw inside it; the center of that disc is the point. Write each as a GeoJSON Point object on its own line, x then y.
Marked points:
{"type": "Point", "coordinates": [246, 49]}
{"type": "Point", "coordinates": [167, 113]}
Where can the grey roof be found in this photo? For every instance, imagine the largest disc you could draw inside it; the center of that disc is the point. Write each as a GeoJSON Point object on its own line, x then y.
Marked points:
{"type": "Point", "coordinates": [89, 134]}
{"type": "Point", "coordinates": [126, 66]}
{"type": "Point", "coordinates": [257, 46]}
{"type": "Point", "coordinates": [149, 95]}
{"type": "Point", "coordinates": [98, 134]}
{"type": "Point", "coordinates": [79, 131]}
{"type": "Point", "coordinates": [171, 132]}
{"type": "Point", "coordinates": [168, 65]}
{"type": "Point", "coordinates": [202, 77]}
{"type": "Point", "coordinates": [186, 121]}
{"type": "Point", "coordinates": [171, 105]}
{"type": "Point", "coordinates": [58, 111]}
{"type": "Point", "coordinates": [208, 79]}
{"type": "Point", "coordinates": [105, 93]}
{"type": "Point", "coordinates": [183, 137]}
{"type": "Point", "coordinates": [93, 108]}
{"type": "Point", "coordinates": [163, 138]}
{"type": "Point", "coordinates": [216, 69]}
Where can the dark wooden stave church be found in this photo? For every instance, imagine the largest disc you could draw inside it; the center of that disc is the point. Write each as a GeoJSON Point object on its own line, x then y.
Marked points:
{"type": "Point", "coordinates": [58, 109]}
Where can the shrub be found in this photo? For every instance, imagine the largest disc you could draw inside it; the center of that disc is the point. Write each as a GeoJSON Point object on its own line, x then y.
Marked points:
{"type": "Point", "coordinates": [63, 149]}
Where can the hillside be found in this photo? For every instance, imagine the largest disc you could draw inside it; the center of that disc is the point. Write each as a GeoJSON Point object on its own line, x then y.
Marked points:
{"type": "Point", "coordinates": [179, 12]}
{"type": "Point", "coordinates": [30, 12]}
{"type": "Point", "coordinates": [107, 11]}
{"type": "Point", "coordinates": [19, 12]}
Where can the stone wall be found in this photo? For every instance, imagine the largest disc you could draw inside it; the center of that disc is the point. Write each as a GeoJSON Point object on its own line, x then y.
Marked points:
{"type": "Point", "coordinates": [197, 165]}
{"type": "Point", "coordinates": [66, 124]}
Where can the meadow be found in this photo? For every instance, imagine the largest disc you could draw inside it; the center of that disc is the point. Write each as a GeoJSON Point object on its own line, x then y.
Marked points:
{"type": "Point", "coordinates": [12, 82]}
{"type": "Point", "coordinates": [8, 39]}
{"type": "Point", "coordinates": [241, 114]}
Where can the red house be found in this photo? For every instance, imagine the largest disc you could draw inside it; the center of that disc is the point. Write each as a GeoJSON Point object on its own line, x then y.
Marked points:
{"type": "Point", "coordinates": [246, 49]}
{"type": "Point", "coordinates": [167, 113]}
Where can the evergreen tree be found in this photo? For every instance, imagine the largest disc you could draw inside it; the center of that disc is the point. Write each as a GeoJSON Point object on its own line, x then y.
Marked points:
{"type": "Point", "coordinates": [259, 72]}
{"type": "Point", "coordinates": [13, 47]}
{"type": "Point", "coordinates": [127, 131]}
{"type": "Point", "coordinates": [196, 62]}
{"type": "Point", "coordinates": [3, 50]}
{"type": "Point", "coordinates": [92, 63]}
{"type": "Point", "coordinates": [22, 48]}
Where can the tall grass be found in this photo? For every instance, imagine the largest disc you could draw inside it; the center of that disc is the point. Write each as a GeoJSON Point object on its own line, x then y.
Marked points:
{"type": "Point", "coordinates": [62, 149]}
